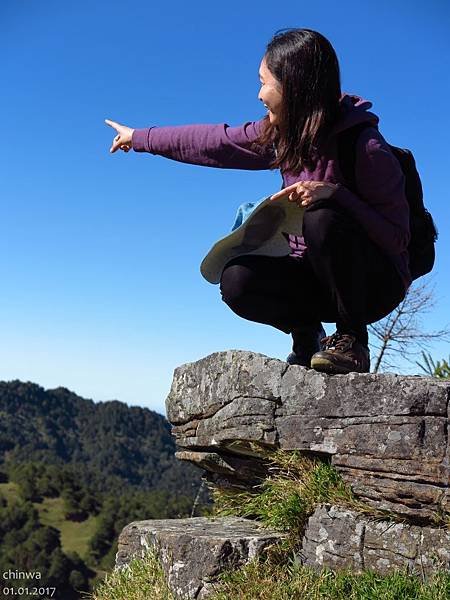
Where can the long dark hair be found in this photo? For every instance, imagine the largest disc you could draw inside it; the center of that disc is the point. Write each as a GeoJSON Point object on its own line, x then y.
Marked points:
{"type": "Point", "coordinates": [306, 65]}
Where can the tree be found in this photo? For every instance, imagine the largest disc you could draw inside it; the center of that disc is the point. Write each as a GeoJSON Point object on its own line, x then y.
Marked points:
{"type": "Point", "coordinates": [402, 332]}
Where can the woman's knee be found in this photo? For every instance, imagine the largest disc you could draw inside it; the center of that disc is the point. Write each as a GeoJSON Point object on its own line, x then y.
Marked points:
{"type": "Point", "coordinates": [234, 284]}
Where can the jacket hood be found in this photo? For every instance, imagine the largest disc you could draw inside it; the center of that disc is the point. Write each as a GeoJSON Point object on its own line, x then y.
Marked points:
{"type": "Point", "coordinates": [354, 110]}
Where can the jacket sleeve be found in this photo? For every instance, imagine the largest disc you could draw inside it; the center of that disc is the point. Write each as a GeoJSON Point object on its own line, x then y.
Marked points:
{"type": "Point", "coordinates": [219, 145]}
{"type": "Point", "coordinates": [381, 206]}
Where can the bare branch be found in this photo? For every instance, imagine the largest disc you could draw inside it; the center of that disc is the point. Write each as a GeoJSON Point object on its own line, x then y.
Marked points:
{"type": "Point", "coordinates": [401, 332]}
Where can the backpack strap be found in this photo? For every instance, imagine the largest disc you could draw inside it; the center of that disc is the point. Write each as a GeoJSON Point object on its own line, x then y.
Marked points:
{"type": "Point", "coordinates": [346, 150]}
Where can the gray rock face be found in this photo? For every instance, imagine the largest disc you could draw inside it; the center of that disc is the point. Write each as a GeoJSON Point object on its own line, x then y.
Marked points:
{"type": "Point", "coordinates": [386, 434]}
{"type": "Point", "coordinates": [225, 397]}
{"type": "Point", "coordinates": [194, 551]}
{"type": "Point", "coordinates": [342, 539]}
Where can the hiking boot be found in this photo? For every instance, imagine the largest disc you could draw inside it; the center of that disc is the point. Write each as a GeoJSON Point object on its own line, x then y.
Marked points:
{"type": "Point", "coordinates": [342, 353]}
{"type": "Point", "coordinates": [306, 343]}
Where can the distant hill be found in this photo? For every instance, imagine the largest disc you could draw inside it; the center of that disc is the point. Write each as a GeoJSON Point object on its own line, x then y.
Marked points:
{"type": "Point", "coordinates": [130, 446]}
{"type": "Point", "coordinates": [73, 473]}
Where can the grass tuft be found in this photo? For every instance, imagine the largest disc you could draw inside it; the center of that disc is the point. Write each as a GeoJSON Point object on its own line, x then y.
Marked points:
{"type": "Point", "coordinates": [284, 501]}
{"type": "Point", "coordinates": [141, 579]}
{"type": "Point", "coordinates": [265, 581]}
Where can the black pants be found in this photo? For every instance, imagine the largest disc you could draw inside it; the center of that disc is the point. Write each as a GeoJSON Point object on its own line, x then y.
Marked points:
{"type": "Point", "coordinates": [343, 278]}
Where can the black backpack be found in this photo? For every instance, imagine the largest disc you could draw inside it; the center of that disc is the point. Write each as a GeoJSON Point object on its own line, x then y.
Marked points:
{"type": "Point", "coordinates": [423, 230]}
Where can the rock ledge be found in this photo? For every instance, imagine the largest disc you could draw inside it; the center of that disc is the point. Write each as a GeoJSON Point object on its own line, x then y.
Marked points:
{"type": "Point", "coordinates": [386, 434]}
{"type": "Point", "coordinates": [194, 551]}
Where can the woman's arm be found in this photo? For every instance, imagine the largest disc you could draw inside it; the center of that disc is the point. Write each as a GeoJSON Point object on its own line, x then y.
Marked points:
{"type": "Point", "coordinates": [208, 145]}
{"type": "Point", "coordinates": [381, 206]}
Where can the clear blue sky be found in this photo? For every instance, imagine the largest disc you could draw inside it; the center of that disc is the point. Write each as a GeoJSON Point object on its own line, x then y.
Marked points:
{"type": "Point", "coordinates": [100, 253]}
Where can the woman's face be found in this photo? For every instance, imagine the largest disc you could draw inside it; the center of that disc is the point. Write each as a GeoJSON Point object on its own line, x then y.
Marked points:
{"type": "Point", "coordinates": [270, 93]}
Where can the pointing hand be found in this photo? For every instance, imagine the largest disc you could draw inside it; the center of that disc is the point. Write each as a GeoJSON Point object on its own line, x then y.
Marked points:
{"type": "Point", "coordinates": [123, 137]}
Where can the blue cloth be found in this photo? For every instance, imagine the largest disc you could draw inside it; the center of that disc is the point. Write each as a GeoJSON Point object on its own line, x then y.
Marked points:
{"type": "Point", "coordinates": [244, 211]}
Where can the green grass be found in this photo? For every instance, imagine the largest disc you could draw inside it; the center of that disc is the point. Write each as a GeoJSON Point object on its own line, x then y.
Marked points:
{"type": "Point", "coordinates": [141, 580]}
{"type": "Point", "coordinates": [75, 536]}
{"type": "Point", "coordinates": [10, 491]}
{"type": "Point", "coordinates": [264, 581]}
{"type": "Point", "coordinates": [285, 500]}
{"type": "Point", "coordinates": [261, 580]}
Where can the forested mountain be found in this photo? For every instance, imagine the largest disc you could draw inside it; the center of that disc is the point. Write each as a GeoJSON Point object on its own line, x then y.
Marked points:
{"type": "Point", "coordinates": [73, 473]}
{"type": "Point", "coordinates": [131, 445]}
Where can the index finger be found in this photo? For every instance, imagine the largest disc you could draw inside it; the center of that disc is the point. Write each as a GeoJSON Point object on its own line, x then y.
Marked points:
{"type": "Point", "coordinates": [112, 124]}
{"type": "Point", "coordinates": [284, 192]}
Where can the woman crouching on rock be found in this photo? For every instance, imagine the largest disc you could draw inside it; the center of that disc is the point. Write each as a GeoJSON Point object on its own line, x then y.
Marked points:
{"type": "Point", "coordinates": [351, 266]}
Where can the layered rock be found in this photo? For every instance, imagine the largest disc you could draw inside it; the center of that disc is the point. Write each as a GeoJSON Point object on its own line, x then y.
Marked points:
{"type": "Point", "coordinates": [345, 539]}
{"type": "Point", "coordinates": [386, 434]}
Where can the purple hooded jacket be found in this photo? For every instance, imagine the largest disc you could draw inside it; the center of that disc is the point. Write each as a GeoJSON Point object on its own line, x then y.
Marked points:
{"type": "Point", "coordinates": [380, 207]}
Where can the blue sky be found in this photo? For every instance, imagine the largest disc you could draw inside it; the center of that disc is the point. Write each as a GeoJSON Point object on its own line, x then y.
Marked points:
{"type": "Point", "coordinates": [100, 253]}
